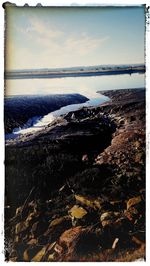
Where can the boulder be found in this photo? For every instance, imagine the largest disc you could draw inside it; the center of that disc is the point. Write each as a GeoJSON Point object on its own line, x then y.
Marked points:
{"type": "Point", "coordinates": [76, 242]}
{"type": "Point", "coordinates": [67, 239]}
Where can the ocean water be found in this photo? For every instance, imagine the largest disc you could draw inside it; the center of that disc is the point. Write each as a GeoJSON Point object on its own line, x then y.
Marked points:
{"type": "Point", "coordinates": [87, 86]}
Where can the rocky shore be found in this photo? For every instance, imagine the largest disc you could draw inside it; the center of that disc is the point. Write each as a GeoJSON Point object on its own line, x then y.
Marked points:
{"type": "Point", "coordinates": [77, 190]}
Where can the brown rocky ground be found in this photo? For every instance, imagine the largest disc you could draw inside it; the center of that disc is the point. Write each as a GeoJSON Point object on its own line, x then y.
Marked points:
{"type": "Point", "coordinates": [97, 212]}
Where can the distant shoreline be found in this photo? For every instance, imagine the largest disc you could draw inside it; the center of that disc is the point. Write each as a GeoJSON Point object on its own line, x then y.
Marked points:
{"type": "Point", "coordinates": [26, 74]}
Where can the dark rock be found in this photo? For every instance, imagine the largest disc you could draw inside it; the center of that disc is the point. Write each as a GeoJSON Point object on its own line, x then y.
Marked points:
{"type": "Point", "coordinates": [78, 241]}
{"type": "Point", "coordinates": [108, 218]}
{"type": "Point", "coordinates": [118, 229]}
{"type": "Point", "coordinates": [38, 257]}
{"type": "Point", "coordinates": [56, 228]}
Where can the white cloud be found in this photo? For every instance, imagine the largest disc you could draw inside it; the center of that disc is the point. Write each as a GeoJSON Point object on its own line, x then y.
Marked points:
{"type": "Point", "coordinates": [44, 45]}
{"type": "Point", "coordinates": [84, 44]}
{"type": "Point", "coordinates": [42, 29]}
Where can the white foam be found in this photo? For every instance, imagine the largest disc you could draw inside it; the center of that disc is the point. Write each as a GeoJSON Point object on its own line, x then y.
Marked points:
{"type": "Point", "coordinates": [41, 123]}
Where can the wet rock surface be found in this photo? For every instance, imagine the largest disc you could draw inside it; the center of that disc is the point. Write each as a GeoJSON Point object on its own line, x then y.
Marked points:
{"type": "Point", "coordinates": [80, 193]}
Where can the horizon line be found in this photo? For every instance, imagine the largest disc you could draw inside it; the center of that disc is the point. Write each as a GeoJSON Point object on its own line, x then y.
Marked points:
{"type": "Point", "coordinates": [72, 67]}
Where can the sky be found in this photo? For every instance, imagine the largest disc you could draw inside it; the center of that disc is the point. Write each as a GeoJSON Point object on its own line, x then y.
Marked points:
{"type": "Point", "coordinates": [54, 37]}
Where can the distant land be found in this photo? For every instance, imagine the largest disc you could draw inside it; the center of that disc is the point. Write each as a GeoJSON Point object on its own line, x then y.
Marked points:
{"type": "Point", "coordinates": [75, 71]}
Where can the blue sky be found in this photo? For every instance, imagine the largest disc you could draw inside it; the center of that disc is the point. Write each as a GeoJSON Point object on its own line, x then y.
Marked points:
{"type": "Point", "coordinates": [65, 37]}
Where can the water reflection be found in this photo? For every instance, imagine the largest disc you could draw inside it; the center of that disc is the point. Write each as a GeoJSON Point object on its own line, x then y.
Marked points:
{"type": "Point", "coordinates": [86, 86]}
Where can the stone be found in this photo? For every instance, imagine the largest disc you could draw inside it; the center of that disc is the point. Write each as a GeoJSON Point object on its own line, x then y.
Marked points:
{"type": "Point", "coordinates": [108, 218]}
{"type": "Point", "coordinates": [137, 241]}
{"type": "Point", "coordinates": [59, 220]}
{"type": "Point", "coordinates": [26, 255]}
{"type": "Point", "coordinates": [20, 227]}
{"type": "Point", "coordinates": [32, 216]}
{"type": "Point", "coordinates": [57, 227]}
{"type": "Point", "coordinates": [115, 229]}
{"type": "Point", "coordinates": [133, 201]}
{"type": "Point", "coordinates": [58, 249]}
{"type": "Point", "coordinates": [39, 227]}
{"type": "Point", "coordinates": [29, 252]}
{"type": "Point", "coordinates": [34, 227]}
{"type": "Point", "coordinates": [68, 237]}
{"type": "Point", "coordinates": [51, 246]}
{"type": "Point", "coordinates": [78, 241]}
{"type": "Point", "coordinates": [131, 214]}
{"type": "Point", "coordinates": [32, 206]}
{"type": "Point", "coordinates": [51, 257]}
{"type": "Point", "coordinates": [38, 257]}
{"type": "Point", "coordinates": [50, 252]}
{"type": "Point", "coordinates": [77, 212]}
{"type": "Point", "coordinates": [121, 227]}
{"type": "Point", "coordinates": [18, 210]}
{"type": "Point", "coordinates": [32, 241]}
{"type": "Point", "coordinates": [92, 203]}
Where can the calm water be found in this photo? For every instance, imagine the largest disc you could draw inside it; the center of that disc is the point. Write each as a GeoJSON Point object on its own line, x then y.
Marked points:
{"type": "Point", "coordinates": [87, 86]}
